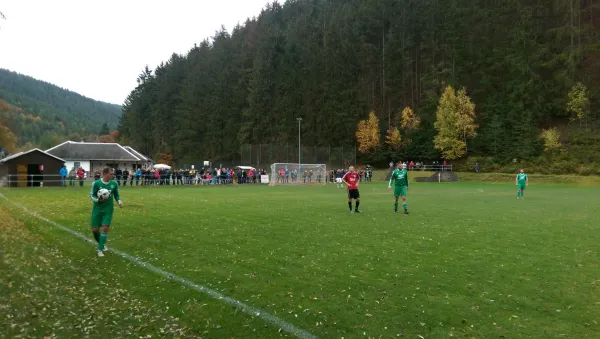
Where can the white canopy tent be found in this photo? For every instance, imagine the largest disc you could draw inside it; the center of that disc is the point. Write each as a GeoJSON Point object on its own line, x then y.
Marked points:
{"type": "Point", "coordinates": [246, 168]}
{"type": "Point", "coordinates": [162, 166]}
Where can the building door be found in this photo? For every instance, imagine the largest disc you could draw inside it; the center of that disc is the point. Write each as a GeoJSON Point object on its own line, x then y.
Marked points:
{"type": "Point", "coordinates": [22, 175]}
{"type": "Point", "coordinates": [34, 174]}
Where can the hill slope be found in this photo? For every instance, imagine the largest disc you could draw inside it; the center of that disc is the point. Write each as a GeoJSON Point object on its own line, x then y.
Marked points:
{"type": "Point", "coordinates": [332, 62]}
{"type": "Point", "coordinates": [42, 109]}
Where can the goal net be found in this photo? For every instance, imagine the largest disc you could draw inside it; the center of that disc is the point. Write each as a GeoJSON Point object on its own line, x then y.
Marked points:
{"type": "Point", "coordinates": [288, 173]}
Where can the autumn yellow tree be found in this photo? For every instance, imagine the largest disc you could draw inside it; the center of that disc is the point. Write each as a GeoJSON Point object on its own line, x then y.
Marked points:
{"type": "Point", "coordinates": [455, 122]}
{"type": "Point", "coordinates": [551, 138]}
{"type": "Point", "coordinates": [367, 134]}
{"type": "Point", "coordinates": [393, 138]}
{"type": "Point", "coordinates": [465, 116]}
{"type": "Point", "coordinates": [8, 139]}
{"type": "Point", "coordinates": [4, 107]}
{"type": "Point", "coordinates": [409, 120]}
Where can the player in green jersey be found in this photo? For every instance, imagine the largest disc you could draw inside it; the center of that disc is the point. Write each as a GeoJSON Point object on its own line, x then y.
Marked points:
{"type": "Point", "coordinates": [522, 181]}
{"type": "Point", "coordinates": [103, 208]}
{"type": "Point", "coordinates": [400, 177]}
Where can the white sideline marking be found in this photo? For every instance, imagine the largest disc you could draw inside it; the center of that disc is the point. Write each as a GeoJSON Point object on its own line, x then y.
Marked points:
{"type": "Point", "coordinates": [267, 317]}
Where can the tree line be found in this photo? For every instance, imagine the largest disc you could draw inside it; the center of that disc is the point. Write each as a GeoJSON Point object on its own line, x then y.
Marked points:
{"type": "Point", "coordinates": [332, 63]}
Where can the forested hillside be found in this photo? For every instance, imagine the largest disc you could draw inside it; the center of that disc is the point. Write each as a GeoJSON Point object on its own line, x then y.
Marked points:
{"type": "Point", "coordinates": [42, 113]}
{"type": "Point", "coordinates": [331, 62]}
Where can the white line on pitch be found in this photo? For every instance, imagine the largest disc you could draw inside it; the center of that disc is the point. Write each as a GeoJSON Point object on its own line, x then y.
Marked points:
{"type": "Point", "coordinates": [269, 318]}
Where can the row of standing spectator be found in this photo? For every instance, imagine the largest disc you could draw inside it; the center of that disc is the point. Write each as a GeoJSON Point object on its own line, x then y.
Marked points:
{"type": "Point", "coordinates": [419, 165]}
{"type": "Point", "coordinates": [216, 176]}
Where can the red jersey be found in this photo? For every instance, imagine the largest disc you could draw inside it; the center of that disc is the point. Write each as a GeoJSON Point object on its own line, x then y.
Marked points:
{"type": "Point", "coordinates": [352, 180]}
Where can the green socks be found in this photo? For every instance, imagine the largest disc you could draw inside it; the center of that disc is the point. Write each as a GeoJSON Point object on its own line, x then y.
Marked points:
{"type": "Point", "coordinates": [96, 236]}
{"type": "Point", "coordinates": [396, 206]}
{"type": "Point", "coordinates": [102, 241]}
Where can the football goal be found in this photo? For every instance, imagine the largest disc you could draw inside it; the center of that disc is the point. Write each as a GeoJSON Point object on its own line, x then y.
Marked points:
{"type": "Point", "coordinates": [289, 173]}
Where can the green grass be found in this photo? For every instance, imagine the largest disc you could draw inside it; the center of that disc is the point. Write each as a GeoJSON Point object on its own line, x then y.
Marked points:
{"type": "Point", "coordinates": [469, 261]}
{"type": "Point", "coordinates": [580, 180]}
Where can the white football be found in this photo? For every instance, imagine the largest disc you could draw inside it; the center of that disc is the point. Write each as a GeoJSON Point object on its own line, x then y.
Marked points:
{"type": "Point", "coordinates": [103, 193]}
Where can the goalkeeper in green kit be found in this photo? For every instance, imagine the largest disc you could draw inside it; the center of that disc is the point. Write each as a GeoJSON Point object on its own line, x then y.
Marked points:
{"type": "Point", "coordinates": [102, 211]}
{"type": "Point", "coordinates": [400, 178]}
{"type": "Point", "coordinates": [522, 181]}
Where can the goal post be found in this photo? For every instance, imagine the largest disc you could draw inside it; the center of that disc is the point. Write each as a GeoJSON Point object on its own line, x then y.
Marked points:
{"type": "Point", "coordinates": [290, 173]}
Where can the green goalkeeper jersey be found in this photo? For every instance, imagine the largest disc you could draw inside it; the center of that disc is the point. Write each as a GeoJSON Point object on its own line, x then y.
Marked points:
{"type": "Point", "coordinates": [112, 187]}
{"type": "Point", "coordinates": [522, 178]}
{"type": "Point", "coordinates": [400, 177]}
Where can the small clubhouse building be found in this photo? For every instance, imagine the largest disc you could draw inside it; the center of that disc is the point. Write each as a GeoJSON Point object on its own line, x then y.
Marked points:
{"type": "Point", "coordinates": [92, 156]}
{"type": "Point", "coordinates": [30, 169]}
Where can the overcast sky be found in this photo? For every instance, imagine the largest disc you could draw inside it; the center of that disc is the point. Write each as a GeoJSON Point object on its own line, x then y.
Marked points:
{"type": "Point", "coordinates": [98, 48]}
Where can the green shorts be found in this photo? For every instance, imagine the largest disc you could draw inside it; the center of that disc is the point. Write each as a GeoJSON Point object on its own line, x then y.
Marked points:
{"type": "Point", "coordinates": [101, 217]}
{"type": "Point", "coordinates": [399, 191]}
{"type": "Point", "coordinates": [521, 187]}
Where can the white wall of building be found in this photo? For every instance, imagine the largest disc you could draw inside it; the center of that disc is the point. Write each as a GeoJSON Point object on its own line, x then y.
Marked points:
{"type": "Point", "coordinates": [83, 163]}
{"type": "Point", "coordinates": [99, 165]}
{"type": "Point", "coordinates": [91, 166]}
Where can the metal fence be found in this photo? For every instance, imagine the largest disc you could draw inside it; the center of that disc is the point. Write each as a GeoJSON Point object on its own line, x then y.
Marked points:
{"type": "Point", "coordinates": [429, 168]}
{"type": "Point", "coordinates": [55, 180]}
{"type": "Point", "coordinates": [39, 180]}
{"type": "Point", "coordinates": [36, 180]}
{"type": "Point", "coordinates": [263, 155]}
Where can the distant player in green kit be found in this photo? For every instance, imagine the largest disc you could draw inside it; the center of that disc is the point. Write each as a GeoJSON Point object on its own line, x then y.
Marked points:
{"type": "Point", "coordinates": [102, 211]}
{"type": "Point", "coordinates": [400, 177]}
{"type": "Point", "coordinates": [522, 181]}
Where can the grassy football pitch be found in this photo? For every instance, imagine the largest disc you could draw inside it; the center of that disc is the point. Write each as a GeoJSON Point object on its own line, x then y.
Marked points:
{"type": "Point", "coordinates": [469, 261]}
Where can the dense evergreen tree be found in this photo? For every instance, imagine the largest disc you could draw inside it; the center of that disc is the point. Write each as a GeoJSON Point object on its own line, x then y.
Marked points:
{"type": "Point", "coordinates": [332, 61]}
{"type": "Point", "coordinates": [105, 129]}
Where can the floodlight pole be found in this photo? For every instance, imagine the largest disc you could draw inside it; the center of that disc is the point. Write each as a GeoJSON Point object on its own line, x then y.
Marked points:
{"type": "Point", "coordinates": [299, 144]}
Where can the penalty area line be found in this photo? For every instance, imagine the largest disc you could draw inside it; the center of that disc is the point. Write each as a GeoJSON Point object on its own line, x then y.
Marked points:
{"type": "Point", "coordinates": [253, 311]}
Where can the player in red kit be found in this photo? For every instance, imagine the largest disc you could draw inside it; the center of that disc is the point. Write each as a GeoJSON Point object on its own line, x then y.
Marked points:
{"type": "Point", "coordinates": [352, 179]}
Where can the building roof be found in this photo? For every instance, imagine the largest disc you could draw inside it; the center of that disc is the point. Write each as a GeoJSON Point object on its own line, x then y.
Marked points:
{"type": "Point", "coordinates": [71, 150]}
{"type": "Point", "coordinates": [16, 155]}
{"type": "Point", "coordinates": [136, 153]}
